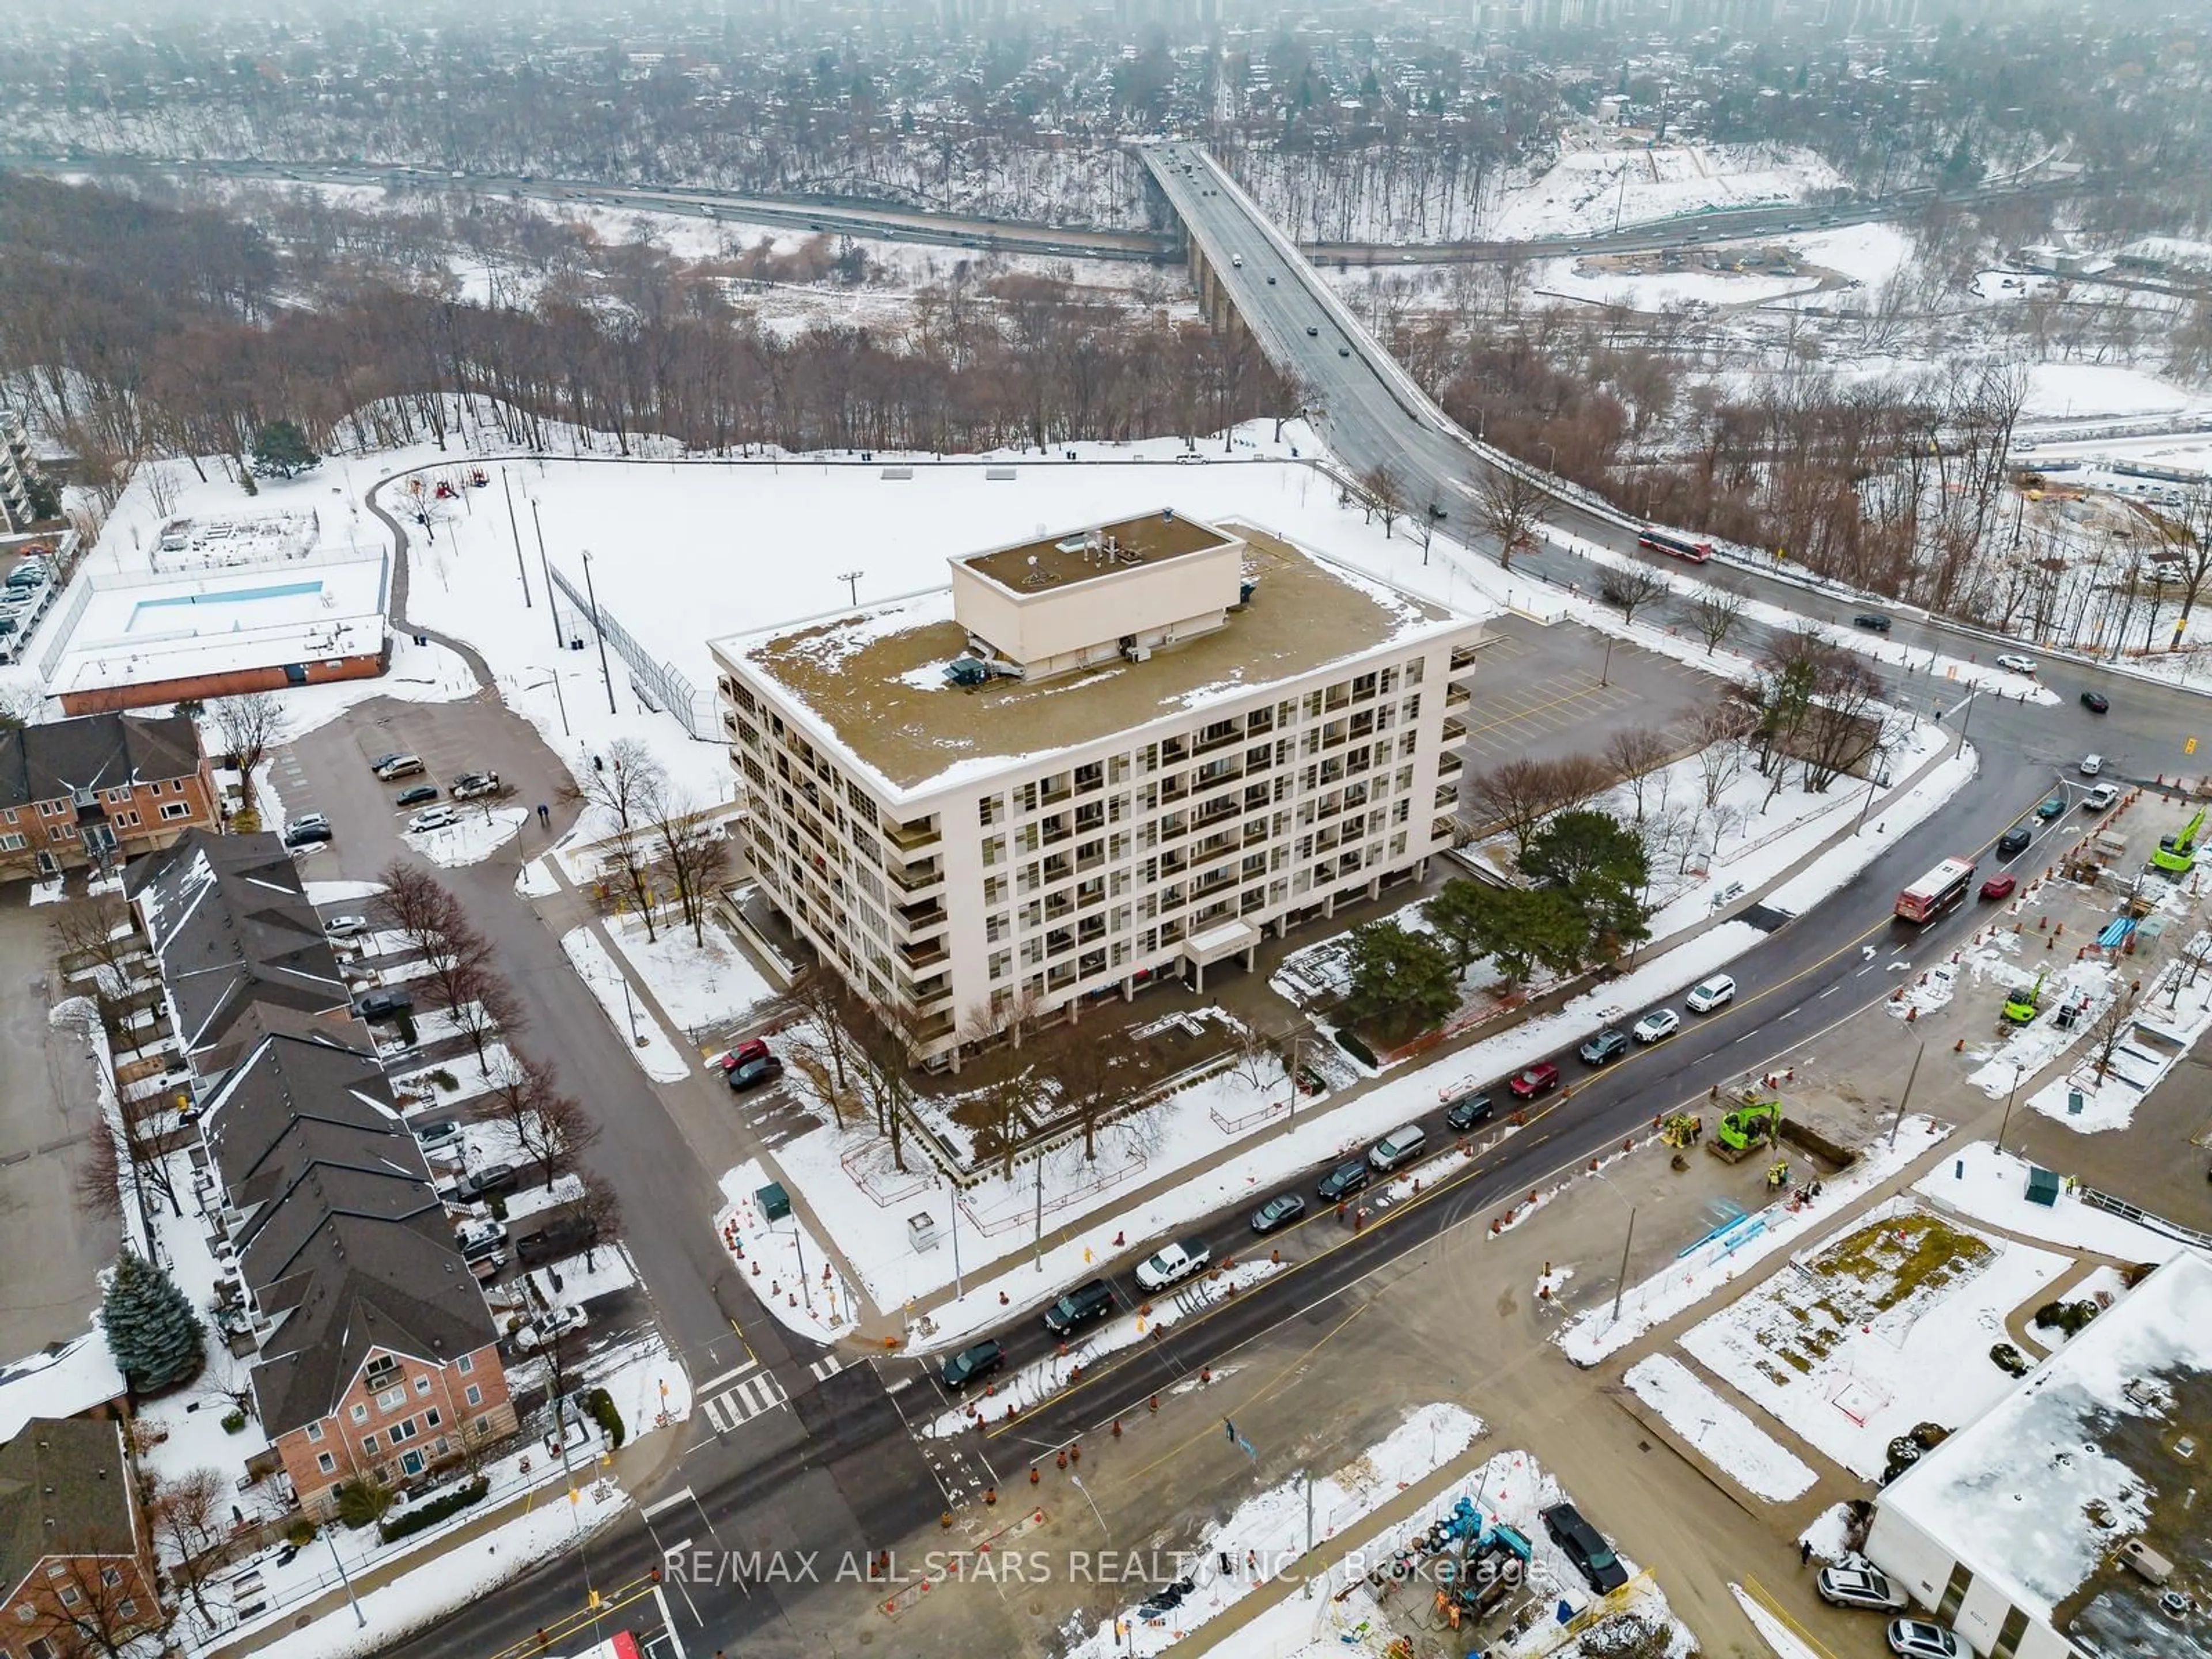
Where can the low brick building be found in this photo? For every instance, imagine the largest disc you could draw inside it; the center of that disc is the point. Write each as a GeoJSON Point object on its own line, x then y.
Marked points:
{"type": "Point", "coordinates": [76, 1562]}
{"type": "Point", "coordinates": [100, 790]}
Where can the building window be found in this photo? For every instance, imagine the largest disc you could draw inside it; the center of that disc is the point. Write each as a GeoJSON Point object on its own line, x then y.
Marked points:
{"type": "Point", "coordinates": [326, 1463]}
{"type": "Point", "coordinates": [430, 1418]}
{"type": "Point", "coordinates": [314, 1432]}
{"type": "Point", "coordinates": [402, 1430]}
{"type": "Point", "coordinates": [71, 1596]}
{"type": "Point", "coordinates": [176, 809]}
{"type": "Point", "coordinates": [474, 1394]}
{"type": "Point", "coordinates": [128, 820]}
{"type": "Point", "coordinates": [126, 1609]}
{"type": "Point", "coordinates": [117, 797]}
{"type": "Point", "coordinates": [111, 1576]}
{"type": "Point", "coordinates": [13, 842]}
{"type": "Point", "coordinates": [465, 1364]}
{"type": "Point", "coordinates": [360, 1413]}
{"type": "Point", "coordinates": [421, 1385]}
{"type": "Point", "coordinates": [368, 1445]}
{"type": "Point", "coordinates": [391, 1400]}
{"type": "Point", "coordinates": [25, 1612]}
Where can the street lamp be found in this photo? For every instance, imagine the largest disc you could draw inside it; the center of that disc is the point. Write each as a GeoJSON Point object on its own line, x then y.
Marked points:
{"type": "Point", "coordinates": [553, 679]}
{"type": "Point", "coordinates": [1620, 1284]}
{"type": "Point", "coordinates": [1551, 455]}
{"type": "Point", "coordinates": [2019, 1071]}
{"type": "Point", "coordinates": [592, 594]}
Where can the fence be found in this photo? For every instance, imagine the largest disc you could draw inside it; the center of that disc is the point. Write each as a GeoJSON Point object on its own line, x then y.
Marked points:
{"type": "Point", "coordinates": [658, 682]}
{"type": "Point", "coordinates": [2141, 1218]}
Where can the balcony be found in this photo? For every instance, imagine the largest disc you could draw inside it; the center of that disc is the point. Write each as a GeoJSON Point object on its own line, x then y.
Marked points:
{"type": "Point", "coordinates": [1447, 796]}
{"type": "Point", "coordinates": [1463, 656]}
{"type": "Point", "coordinates": [1450, 765]}
{"type": "Point", "coordinates": [910, 837]}
{"type": "Point", "coordinates": [1455, 731]}
{"type": "Point", "coordinates": [1217, 735]}
{"type": "Point", "coordinates": [926, 954]}
{"type": "Point", "coordinates": [916, 877]}
{"type": "Point", "coordinates": [931, 914]}
{"type": "Point", "coordinates": [1222, 807]}
{"type": "Point", "coordinates": [1442, 828]}
{"type": "Point", "coordinates": [1458, 697]}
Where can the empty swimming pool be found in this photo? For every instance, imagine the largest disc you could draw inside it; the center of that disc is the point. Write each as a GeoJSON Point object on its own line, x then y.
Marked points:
{"type": "Point", "coordinates": [163, 612]}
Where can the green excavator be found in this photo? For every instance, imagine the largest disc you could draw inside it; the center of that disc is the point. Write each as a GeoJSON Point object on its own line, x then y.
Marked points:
{"type": "Point", "coordinates": [2176, 853]}
{"type": "Point", "coordinates": [2021, 1005]}
{"type": "Point", "coordinates": [1754, 1123]}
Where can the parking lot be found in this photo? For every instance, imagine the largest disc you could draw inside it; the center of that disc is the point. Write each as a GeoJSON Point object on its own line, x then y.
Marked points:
{"type": "Point", "coordinates": [1541, 692]}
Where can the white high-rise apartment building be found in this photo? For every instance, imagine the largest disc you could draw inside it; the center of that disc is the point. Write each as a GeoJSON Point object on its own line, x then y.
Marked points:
{"type": "Point", "coordinates": [1094, 760]}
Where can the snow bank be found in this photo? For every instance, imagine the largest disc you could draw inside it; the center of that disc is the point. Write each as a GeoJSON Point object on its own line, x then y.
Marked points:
{"type": "Point", "coordinates": [1719, 1432]}
{"type": "Point", "coordinates": [655, 1055]}
{"type": "Point", "coordinates": [1992, 1187]}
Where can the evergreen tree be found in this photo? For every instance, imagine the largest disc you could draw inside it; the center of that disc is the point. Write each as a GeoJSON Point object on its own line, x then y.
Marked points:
{"type": "Point", "coordinates": [152, 1331]}
{"type": "Point", "coordinates": [1402, 981]}
{"type": "Point", "coordinates": [282, 449]}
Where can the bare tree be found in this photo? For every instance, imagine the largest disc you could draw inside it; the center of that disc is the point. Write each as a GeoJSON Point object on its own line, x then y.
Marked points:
{"type": "Point", "coordinates": [1714, 615]}
{"type": "Point", "coordinates": [1718, 730]}
{"type": "Point", "coordinates": [1385, 495]}
{"type": "Point", "coordinates": [2113, 1024]}
{"type": "Point", "coordinates": [485, 1005]}
{"type": "Point", "coordinates": [1635, 753]}
{"type": "Point", "coordinates": [163, 487]}
{"type": "Point", "coordinates": [693, 850]}
{"type": "Point", "coordinates": [100, 932]}
{"type": "Point", "coordinates": [1000, 1115]}
{"type": "Point", "coordinates": [1630, 587]}
{"type": "Point", "coordinates": [1518, 794]}
{"type": "Point", "coordinates": [818, 997]}
{"type": "Point", "coordinates": [1090, 1087]}
{"type": "Point", "coordinates": [885, 1045]}
{"type": "Point", "coordinates": [551, 1127]}
{"type": "Point", "coordinates": [599, 1208]}
{"type": "Point", "coordinates": [620, 783]}
{"type": "Point", "coordinates": [191, 1516]}
{"type": "Point", "coordinates": [79, 1614]}
{"type": "Point", "coordinates": [1509, 507]}
{"type": "Point", "coordinates": [248, 727]}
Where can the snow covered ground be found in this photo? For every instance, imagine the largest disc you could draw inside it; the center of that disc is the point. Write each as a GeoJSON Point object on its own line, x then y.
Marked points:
{"type": "Point", "coordinates": [1992, 1187]}
{"type": "Point", "coordinates": [1717, 1431]}
{"type": "Point", "coordinates": [655, 1055]}
{"type": "Point", "coordinates": [1884, 1325]}
{"type": "Point", "coordinates": [1591, 190]}
{"type": "Point", "coordinates": [783, 1264]}
{"type": "Point", "coordinates": [696, 985]}
{"type": "Point", "coordinates": [2168, 1021]}
{"type": "Point", "coordinates": [1594, 1333]}
{"type": "Point", "coordinates": [472, 839]}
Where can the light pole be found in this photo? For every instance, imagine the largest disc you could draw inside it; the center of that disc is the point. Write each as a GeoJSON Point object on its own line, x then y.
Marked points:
{"type": "Point", "coordinates": [546, 565]}
{"type": "Point", "coordinates": [851, 580]}
{"type": "Point", "coordinates": [1620, 1284]}
{"type": "Point", "coordinates": [507, 489]}
{"type": "Point", "coordinates": [553, 679]}
{"type": "Point", "coordinates": [592, 594]}
{"type": "Point", "coordinates": [360, 1619]}
{"type": "Point", "coordinates": [2019, 1072]}
{"type": "Point", "coordinates": [1605, 674]}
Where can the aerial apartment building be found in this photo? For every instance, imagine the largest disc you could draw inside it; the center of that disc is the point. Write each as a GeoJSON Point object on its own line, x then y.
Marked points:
{"type": "Point", "coordinates": [1095, 759]}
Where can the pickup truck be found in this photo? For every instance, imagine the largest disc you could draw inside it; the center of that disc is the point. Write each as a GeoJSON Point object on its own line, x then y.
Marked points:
{"type": "Point", "coordinates": [1174, 1264]}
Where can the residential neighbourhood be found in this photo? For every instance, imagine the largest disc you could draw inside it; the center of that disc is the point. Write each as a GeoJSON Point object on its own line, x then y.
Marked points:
{"type": "Point", "coordinates": [1187, 830]}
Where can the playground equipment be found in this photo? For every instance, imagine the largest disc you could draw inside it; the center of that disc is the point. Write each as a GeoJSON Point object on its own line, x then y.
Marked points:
{"type": "Point", "coordinates": [2021, 1006]}
{"type": "Point", "coordinates": [2176, 853]}
{"type": "Point", "coordinates": [1755, 1122]}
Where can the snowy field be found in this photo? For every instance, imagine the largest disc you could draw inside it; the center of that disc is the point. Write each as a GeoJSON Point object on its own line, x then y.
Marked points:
{"type": "Point", "coordinates": [1590, 190]}
{"type": "Point", "coordinates": [1989, 1186]}
{"type": "Point", "coordinates": [1883, 1326]}
{"type": "Point", "coordinates": [640, 1034]}
{"type": "Point", "coordinates": [783, 1264]}
{"type": "Point", "coordinates": [1717, 1431]}
{"type": "Point", "coordinates": [696, 985]}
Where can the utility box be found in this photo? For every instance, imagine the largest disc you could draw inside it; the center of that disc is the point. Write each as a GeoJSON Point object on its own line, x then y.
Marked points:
{"type": "Point", "coordinates": [922, 1232]}
{"type": "Point", "coordinates": [774, 1202]}
{"type": "Point", "coordinates": [2043, 1188]}
{"type": "Point", "coordinates": [2146, 1561]}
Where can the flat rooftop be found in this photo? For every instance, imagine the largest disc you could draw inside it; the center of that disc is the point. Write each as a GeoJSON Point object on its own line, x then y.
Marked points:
{"type": "Point", "coordinates": [1062, 560]}
{"type": "Point", "coordinates": [875, 680]}
{"type": "Point", "coordinates": [2109, 1439]}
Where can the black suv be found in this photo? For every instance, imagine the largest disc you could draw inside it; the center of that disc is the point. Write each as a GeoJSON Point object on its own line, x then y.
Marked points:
{"type": "Point", "coordinates": [563, 1235]}
{"type": "Point", "coordinates": [1343, 1180]}
{"type": "Point", "coordinates": [1467, 1111]}
{"type": "Point", "coordinates": [1081, 1306]}
{"type": "Point", "coordinates": [1605, 1048]}
{"type": "Point", "coordinates": [2014, 840]}
{"type": "Point", "coordinates": [1873, 621]}
{"type": "Point", "coordinates": [1586, 1547]}
{"type": "Point", "coordinates": [383, 1004]}
{"type": "Point", "coordinates": [971, 1363]}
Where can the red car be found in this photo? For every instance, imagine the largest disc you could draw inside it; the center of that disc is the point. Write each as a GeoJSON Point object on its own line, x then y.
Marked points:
{"type": "Point", "coordinates": [1541, 1078]}
{"type": "Point", "coordinates": [2000, 887]}
{"type": "Point", "coordinates": [750, 1049]}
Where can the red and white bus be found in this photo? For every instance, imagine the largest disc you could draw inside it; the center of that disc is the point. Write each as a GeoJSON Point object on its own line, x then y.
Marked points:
{"type": "Point", "coordinates": [620, 1645]}
{"type": "Point", "coordinates": [1696, 549]}
{"type": "Point", "coordinates": [1937, 891]}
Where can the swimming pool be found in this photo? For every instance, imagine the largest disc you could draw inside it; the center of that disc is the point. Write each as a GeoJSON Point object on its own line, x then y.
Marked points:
{"type": "Point", "coordinates": [162, 612]}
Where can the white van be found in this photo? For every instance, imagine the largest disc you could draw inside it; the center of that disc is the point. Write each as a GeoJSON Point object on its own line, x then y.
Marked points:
{"type": "Point", "coordinates": [1400, 1145]}
{"type": "Point", "coordinates": [1708, 994]}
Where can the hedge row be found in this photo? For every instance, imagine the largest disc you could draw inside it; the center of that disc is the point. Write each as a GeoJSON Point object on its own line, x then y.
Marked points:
{"type": "Point", "coordinates": [416, 1516]}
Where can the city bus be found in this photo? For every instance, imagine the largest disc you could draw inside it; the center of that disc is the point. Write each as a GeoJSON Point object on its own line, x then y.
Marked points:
{"type": "Point", "coordinates": [1937, 891]}
{"type": "Point", "coordinates": [1697, 551]}
{"type": "Point", "coordinates": [620, 1645]}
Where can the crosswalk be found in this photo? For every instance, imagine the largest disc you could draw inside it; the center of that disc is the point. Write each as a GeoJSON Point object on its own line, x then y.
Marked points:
{"type": "Point", "coordinates": [826, 1367]}
{"type": "Point", "coordinates": [751, 1392]}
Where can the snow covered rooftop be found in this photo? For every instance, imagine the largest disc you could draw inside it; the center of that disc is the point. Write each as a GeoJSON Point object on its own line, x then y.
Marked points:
{"type": "Point", "coordinates": [873, 681]}
{"type": "Point", "coordinates": [2108, 1440]}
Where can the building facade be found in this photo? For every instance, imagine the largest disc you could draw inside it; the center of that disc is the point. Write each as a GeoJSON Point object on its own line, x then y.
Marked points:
{"type": "Point", "coordinates": [100, 790]}
{"type": "Point", "coordinates": [16, 468]}
{"type": "Point", "coordinates": [77, 1561]}
{"type": "Point", "coordinates": [1096, 760]}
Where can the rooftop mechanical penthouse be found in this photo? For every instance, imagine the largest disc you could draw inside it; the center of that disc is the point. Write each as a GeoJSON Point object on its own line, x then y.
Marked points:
{"type": "Point", "coordinates": [1096, 759]}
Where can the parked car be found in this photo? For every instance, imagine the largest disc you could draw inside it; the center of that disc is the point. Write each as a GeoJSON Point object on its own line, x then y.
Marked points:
{"type": "Point", "coordinates": [754, 1074]}
{"type": "Point", "coordinates": [1401, 1146]}
{"type": "Point", "coordinates": [563, 1235]}
{"type": "Point", "coordinates": [1916, 1638]}
{"type": "Point", "coordinates": [2016, 663]}
{"type": "Point", "coordinates": [2052, 808]}
{"type": "Point", "coordinates": [1277, 1212]}
{"type": "Point", "coordinates": [2000, 887]}
{"type": "Point", "coordinates": [1312, 333]}
{"type": "Point", "coordinates": [2096, 702]}
{"type": "Point", "coordinates": [1708, 994]}
{"type": "Point", "coordinates": [2014, 841]}
{"type": "Point", "coordinates": [478, 1239]}
{"type": "Point", "coordinates": [550, 1328]}
{"type": "Point", "coordinates": [2100, 797]}
{"type": "Point", "coordinates": [378, 762]}
{"type": "Point", "coordinates": [417, 794]}
{"type": "Point", "coordinates": [308, 832]}
{"type": "Point", "coordinates": [1083, 1305]}
{"type": "Point", "coordinates": [978, 1359]}
{"type": "Point", "coordinates": [1346, 1179]}
{"type": "Point", "coordinates": [436, 817]}
{"type": "Point", "coordinates": [346, 926]}
{"type": "Point", "coordinates": [470, 785]}
{"type": "Point", "coordinates": [1873, 621]}
{"type": "Point", "coordinates": [1541, 1078]}
{"type": "Point", "coordinates": [1586, 1547]}
{"type": "Point", "coordinates": [398, 766]}
{"type": "Point", "coordinates": [1173, 1264]}
{"type": "Point", "coordinates": [1605, 1048]}
{"type": "Point", "coordinates": [1466, 1112]}
{"type": "Point", "coordinates": [750, 1049]}
{"type": "Point", "coordinates": [383, 1004]}
{"type": "Point", "coordinates": [1659, 1023]}
{"type": "Point", "coordinates": [487, 1181]}
{"type": "Point", "coordinates": [1858, 1587]}
{"type": "Point", "coordinates": [444, 1133]}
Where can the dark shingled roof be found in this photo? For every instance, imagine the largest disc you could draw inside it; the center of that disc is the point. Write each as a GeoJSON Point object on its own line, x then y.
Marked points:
{"type": "Point", "coordinates": [231, 926]}
{"type": "Point", "coordinates": [341, 1237]}
{"type": "Point", "coordinates": [69, 1471]}
{"type": "Point", "coordinates": [100, 751]}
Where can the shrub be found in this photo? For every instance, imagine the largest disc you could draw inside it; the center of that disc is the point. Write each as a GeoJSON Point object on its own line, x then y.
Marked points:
{"type": "Point", "coordinates": [363, 1501]}
{"type": "Point", "coordinates": [497, 1206]}
{"type": "Point", "coordinates": [300, 1533]}
{"type": "Point", "coordinates": [419, 1516]}
{"type": "Point", "coordinates": [1350, 1043]}
{"type": "Point", "coordinates": [601, 1405]}
{"type": "Point", "coordinates": [2067, 1316]}
{"type": "Point", "coordinates": [2008, 1360]}
{"type": "Point", "coordinates": [442, 1079]}
{"type": "Point", "coordinates": [234, 1421]}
